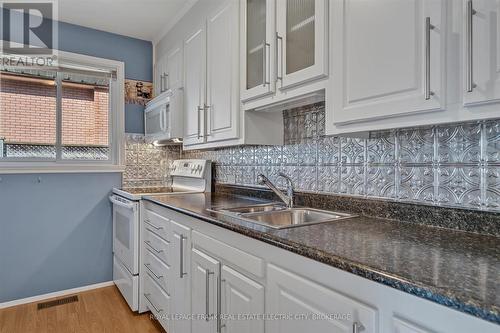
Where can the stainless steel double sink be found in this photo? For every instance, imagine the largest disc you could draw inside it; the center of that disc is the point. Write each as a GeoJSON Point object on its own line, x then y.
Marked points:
{"type": "Point", "coordinates": [278, 216]}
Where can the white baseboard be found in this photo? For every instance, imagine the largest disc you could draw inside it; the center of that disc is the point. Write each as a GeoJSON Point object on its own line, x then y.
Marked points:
{"type": "Point", "coordinates": [54, 294]}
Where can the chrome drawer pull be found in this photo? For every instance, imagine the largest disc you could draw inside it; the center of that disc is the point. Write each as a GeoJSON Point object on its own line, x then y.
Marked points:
{"type": "Point", "coordinates": [151, 246]}
{"type": "Point", "coordinates": [149, 269]}
{"type": "Point", "coordinates": [149, 300]}
{"type": "Point", "coordinates": [151, 224]}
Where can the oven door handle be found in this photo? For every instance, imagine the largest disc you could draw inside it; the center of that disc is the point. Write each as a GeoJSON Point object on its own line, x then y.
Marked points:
{"type": "Point", "coordinates": [128, 205]}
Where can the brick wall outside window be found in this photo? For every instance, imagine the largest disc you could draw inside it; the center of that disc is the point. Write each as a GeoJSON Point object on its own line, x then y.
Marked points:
{"type": "Point", "coordinates": [28, 112]}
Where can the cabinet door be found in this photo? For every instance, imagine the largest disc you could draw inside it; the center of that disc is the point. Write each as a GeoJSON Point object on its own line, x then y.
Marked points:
{"type": "Point", "coordinates": [194, 87]}
{"type": "Point", "coordinates": [181, 276]}
{"type": "Point", "coordinates": [302, 41]}
{"type": "Point", "coordinates": [258, 41]}
{"type": "Point", "coordinates": [481, 21]}
{"type": "Point", "coordinates": [174, 68]}
{"type": "Point", "coordinates": [223, 103]}
{"type": "Point", "coordinates": [159, 75]}
{"type": "Point", "coordinates": [388, 58]}
{"type": "Point", "coordinates": [241, 295]}
{"type": "Point", "coordinates": [288, 293]}
{"type": "Point", "coordinates": [205, 272]}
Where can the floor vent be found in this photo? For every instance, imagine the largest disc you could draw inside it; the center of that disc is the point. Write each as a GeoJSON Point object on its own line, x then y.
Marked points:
{"type": "Point", "coordinates": [57, 302]}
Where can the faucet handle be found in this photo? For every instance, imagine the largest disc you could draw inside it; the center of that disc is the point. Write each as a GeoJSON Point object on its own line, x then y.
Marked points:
{"type": "Point", "coordinates": [261, 179]}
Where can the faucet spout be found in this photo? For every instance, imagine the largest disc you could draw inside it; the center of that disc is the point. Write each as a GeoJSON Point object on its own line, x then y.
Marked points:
{"type": "Point", "coordinates": [288, 199]}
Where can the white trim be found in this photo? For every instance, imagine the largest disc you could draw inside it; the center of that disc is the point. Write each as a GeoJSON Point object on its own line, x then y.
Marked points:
{"type": "Point", "coordinates": [71, 168]}
{"type": "Point", "coordinates": [172, 22]}
{"type": "Point", "coordinates": [55, 294]}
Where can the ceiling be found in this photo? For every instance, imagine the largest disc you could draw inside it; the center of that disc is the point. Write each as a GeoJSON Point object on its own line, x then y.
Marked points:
{"type": "Point", "coordinates": [144, 19]}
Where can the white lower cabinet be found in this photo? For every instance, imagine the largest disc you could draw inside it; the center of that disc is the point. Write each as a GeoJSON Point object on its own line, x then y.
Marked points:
{"type": "Point", "coordinates": [204, 292]}
{"type": "Point", "coordinates": [241, 296]}
{"type": "Point", "coordinates": [227, 281]}
{"type": "Point", "coordinates": [181, 277]}
{"type": "Point", "coordinates": [222, 298]}
{"type": "Point", "coordinates": [313, 307]}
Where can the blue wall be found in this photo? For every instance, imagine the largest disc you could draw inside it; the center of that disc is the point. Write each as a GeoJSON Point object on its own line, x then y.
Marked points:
{"type": "Point", "coordinates": [57, 234]}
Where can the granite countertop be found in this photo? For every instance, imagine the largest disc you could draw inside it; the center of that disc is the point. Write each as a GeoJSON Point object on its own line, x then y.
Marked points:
{"type": "Point", "coordinates": [457, 269]}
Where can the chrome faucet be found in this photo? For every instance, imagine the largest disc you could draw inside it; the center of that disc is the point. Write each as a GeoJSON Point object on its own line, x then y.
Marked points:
{"type": "Point", "coordinates": [288, 198]}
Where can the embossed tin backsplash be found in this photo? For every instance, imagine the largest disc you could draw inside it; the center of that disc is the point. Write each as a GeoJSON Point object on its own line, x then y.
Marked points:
{"type": "Point", "coordinates": [147, 165]}
{"type": "Point", "coordinates": [454, 165]}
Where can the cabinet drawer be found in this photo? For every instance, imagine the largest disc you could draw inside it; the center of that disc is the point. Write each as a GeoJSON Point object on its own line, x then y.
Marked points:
{"type": "Point", "coordinates": [157, 245]}
{"type": "Point", "coordinates": [159, 271]}
{"type": "Point", "coordinates": [157, 300]}
{"type": "Point", "coordinates": [156, 223]}
{"type": "Point", "coordinates": [236, 257]}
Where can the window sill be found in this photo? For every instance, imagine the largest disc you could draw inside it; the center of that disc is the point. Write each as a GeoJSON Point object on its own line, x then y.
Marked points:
{"type": "Point", "coordinates": [74, 168]}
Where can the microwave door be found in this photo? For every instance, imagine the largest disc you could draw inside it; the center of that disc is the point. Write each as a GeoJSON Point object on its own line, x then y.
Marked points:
{"type": "Point", "coordinates": [154, 121]}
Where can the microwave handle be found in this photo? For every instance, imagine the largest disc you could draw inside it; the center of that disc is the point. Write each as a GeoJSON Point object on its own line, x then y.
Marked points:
{"type": "Point", "coordinates": [163, 119]}
{"type": "Point", "coordinates": [128, 205]}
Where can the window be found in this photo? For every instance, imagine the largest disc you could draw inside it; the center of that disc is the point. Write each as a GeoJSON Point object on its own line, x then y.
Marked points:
{"type": "Point", "coordinates": [63, 119]}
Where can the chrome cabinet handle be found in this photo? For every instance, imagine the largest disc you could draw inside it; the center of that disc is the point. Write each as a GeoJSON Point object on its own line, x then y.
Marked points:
{"type": "Point", "coordinates": [154, 306]}
{"type": "Point", "coordinates": [151, 246]}
{"type": "Point", "coordinates": [219, 302]}
{"type": "Point", "coordinates": [206, 107]}
{"type": "Point", "coordinates": [279, 60]}
{"type": "Point", "coordinates": [165, 75]}
{"type": "Point", "coordinates": [161, 83]}
{"type": "Point", "coordinates": [470, 47]}
{"type": "Point", "coordinates": [357, 327]}
{"type": "Point", "coordinates": [148, 221]}
{"type": "Point", "coordinates": [200, 108]}
{"type": "Point", "coordinates": [427, 81]}
{"type": "Point", "coordinates": [265, 63]}
{"type": "Point", "coordinates": [181, 253]}
{"type": "Point", "coordinates": [148, 266]}
{"type": "Point", "coordinates": [207, 294]}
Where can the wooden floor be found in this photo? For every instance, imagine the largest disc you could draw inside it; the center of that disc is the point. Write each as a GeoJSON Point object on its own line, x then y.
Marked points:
{"type": "Point", "coordinates": [100, 310]}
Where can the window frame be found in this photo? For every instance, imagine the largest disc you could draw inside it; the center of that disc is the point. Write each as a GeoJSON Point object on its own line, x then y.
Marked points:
{"type": "Point", "coordinates": [116, 125]}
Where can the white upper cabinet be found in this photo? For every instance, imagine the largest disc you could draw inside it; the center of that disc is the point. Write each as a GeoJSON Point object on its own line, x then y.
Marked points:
{"type": "Point", "coordinates": [388, 58]}
{"type": "Point", "coordinates": [222, 102]}
{"type": "Point", "coordinates": [194, 87]}
{"type": "Point", "coordinates": [211, 78]}
{"type": "Point", "coordinates": [173, 77]}
{"type": "Point", "coordinates": [302, 44]}
{"type": "Point", "coordinates": [258, 38]}
{"type": "Point", "coordinates": [481, 70]}
{"type": "Point", "coordinates": [160, 70]}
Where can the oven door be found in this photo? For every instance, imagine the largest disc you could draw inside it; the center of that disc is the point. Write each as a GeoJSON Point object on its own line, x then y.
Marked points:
{"type": "Point", "coordinates": [126, 232]}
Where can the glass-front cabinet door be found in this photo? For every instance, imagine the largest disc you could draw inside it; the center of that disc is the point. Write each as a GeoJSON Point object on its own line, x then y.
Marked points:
{"type": "Point", "coordinates": [302, 41]}
{"type": "Point", "coordinates": [258, 43]}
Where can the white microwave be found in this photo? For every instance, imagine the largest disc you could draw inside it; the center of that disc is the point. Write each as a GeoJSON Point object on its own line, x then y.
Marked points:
{"type": "Point", "coordinates": [163, 120]}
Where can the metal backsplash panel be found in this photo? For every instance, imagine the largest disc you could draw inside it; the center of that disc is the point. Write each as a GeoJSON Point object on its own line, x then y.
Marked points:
{"type": "Point", "coordinates": [147, 165]}
{"type": "Point", "coordinates": [455, 165]}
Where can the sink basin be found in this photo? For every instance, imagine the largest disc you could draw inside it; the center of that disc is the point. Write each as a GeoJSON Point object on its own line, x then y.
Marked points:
{"type": "Point", "coordinates": [279, 217]}
{"type": "Point", "coordinates": [256, 209]}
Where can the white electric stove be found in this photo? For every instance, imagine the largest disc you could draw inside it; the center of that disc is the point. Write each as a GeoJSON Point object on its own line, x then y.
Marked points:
{"type": "Point", "coordinates": [187, 176]}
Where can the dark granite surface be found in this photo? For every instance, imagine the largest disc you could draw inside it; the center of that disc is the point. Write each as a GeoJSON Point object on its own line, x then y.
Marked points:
{"type": "Point", "coordinates": [457, 269]}
{"type": "Point", "coordinates": [486, 223]}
